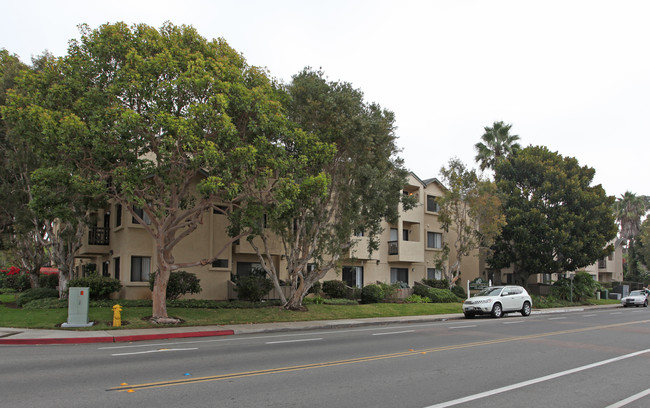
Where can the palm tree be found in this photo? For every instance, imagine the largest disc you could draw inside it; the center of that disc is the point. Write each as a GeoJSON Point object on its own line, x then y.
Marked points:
{"type": "Point", "coordinates": [497, 143]}
{"type": "Point", "coordinates": [629, 209]}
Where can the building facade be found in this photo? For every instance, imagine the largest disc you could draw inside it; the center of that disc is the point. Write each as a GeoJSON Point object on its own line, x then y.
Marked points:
{"type": "Point", "coordinates": [410, 250]}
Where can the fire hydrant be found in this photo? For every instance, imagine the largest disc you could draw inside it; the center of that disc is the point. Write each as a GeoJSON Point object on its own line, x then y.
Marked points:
{"type": "Point", "coordinates": [117, 316]}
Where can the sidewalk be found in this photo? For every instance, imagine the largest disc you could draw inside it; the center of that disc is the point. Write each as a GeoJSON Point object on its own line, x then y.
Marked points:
{"type": "Point", "coordinates": [19, 336]}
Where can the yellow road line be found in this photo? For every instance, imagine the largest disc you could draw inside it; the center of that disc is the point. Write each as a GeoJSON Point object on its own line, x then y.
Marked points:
{"type": "Point", "coordinates": [360, 359]}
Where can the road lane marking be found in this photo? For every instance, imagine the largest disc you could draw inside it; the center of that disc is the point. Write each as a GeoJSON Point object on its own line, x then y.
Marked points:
{"type": "Point", "coordinates": [556, 318]}
{"type": "Point", "coordinates": [616, 312]}
{"type": "Point", "coordinates": [513, 322]}
{"type": "Point", "coordinates": [589, 315]}
{"type": "Point", "coordinates": [535, 381]}
{"type": "Point", "coordinates": [358, 360]}
{"type": "Point", "coordinates": [292, 341]}
{"type": "Point", "coordinates": [630, 399]}
{"type": "Point", "coordinates": [153, 351]}
{"type": "Point", "coordinates": [397, 332]}
{"type": "Point", "coordinates": [461, 327]}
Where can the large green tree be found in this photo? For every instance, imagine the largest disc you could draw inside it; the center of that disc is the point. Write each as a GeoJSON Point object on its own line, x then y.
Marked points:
{"type": "Point", "coordinates": [496, 144]}
{"type": "Point", "coordinates": [22, 232]}
{"type": "Point", "coordinates": [471, 208]}
{"type": "Point", "coordinates": [629, 209]}
{"type": "Point", "coordinates": [353, 181]}
{"type": "Point", "coordinates": [556, 221]}
{"type": "Point", "coordinates": [173, 124]}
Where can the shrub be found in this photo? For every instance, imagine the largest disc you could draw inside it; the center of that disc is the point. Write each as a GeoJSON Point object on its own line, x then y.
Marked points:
{"type": "Point", "coordinates": [390, 291]}
{"type": "Point", "coordinates": [100, 287]}
{"type": "Point", "coordinates": [36, 293]}
{"type": "Point", "coordinates": [316, 288]}
{"type": "Point", "coordinates": [372, 294]}
{"type": "Point", "coordinates": [180, 283]}
{"type": "Point", "coordinates": [12, 278]}
{"type": "Point", "coordinates": [435, 283]}
{"type": "Point", "coordinates": [459, 291]}
{"type": "Point", "coordinates": [49, 280]}
{"type": "Point", "coordinates": [417, 299]}
{"type": "Point", "coordinates": [335, 289]}
{"type": "Point", "coordinates": [442, 296]}
{"type": "Point", "coordinates": [584, 286]}
{"type": "Point", "coordinates": [47, 303]}
{"type": "Point", "coordinates": [421, 290]}
{"type": "Point", "coordinates": [253, 288]}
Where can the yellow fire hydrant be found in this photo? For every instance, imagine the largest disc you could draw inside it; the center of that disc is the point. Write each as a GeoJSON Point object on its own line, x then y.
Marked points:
{"type": "Point", "coordinates": [117, 316]}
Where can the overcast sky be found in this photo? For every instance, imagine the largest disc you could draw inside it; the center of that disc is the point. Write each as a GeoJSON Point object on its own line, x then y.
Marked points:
{"type": "Point", "coordinates": [570, 75]}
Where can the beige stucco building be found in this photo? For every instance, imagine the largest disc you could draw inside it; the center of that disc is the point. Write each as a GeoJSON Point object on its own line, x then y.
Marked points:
{"type": "Point", "coordinates": [409, 251]}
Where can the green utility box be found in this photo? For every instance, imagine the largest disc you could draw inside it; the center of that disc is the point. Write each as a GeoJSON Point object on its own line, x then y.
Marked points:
{"type": "Point", "coordinates": [78, 308]}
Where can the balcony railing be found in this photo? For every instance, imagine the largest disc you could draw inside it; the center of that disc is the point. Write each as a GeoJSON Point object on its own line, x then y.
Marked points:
{"type": "Point", "coordinates": [98, 236]}
{"type": "Point", "coordinates": [393, 248]}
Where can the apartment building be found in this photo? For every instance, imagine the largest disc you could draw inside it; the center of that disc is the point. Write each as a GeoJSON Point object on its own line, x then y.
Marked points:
{"type": "Point", "coordinates": [409, 251]}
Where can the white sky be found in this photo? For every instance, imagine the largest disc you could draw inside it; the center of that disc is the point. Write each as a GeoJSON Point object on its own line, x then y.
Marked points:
{"type": "Point", "coordinates": [570, 75]}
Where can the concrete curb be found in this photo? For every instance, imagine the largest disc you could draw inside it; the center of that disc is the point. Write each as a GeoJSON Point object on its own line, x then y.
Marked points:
{"type": "Point", "coordinates": [116, 339]}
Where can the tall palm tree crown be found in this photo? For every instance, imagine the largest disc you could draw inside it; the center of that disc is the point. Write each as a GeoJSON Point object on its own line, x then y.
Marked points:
{"type": "Point", "coordinates": [629, 209]}
{"type": "Point", "coordinates": [497, 143]}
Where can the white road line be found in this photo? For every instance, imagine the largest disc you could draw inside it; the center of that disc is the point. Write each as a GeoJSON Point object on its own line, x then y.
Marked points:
{"type": "Point", "coordinates": [616, 312]}
{"type": "Point", "coordinates": [293, 341]}
{"type": "Point", "coordinates": [515, 322]}
{"type": "Point", "coordinates": [153, 351]}
{"type": "Point", "coordinates": [535, 381]}
{"type": "Point", "coordinates": [630, 399]}
{"type": "Point", "coordinates": [556, 318]}
{"type": "Point", "coordinates": [397, 332]}
{"type": "Point", "coordinates": [589, 315]}
{"type": "Point", "coordinates": [461, 327]}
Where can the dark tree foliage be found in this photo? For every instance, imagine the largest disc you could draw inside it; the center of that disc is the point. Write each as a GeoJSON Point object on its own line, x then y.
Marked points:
{"type": "Point", "coordinates": [555, 220]}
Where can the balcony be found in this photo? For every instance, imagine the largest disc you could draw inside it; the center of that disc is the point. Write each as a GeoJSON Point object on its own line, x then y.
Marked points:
{"type": "Point", "coordinates": [405, 251]}
{"type": "Point", "coordinates": [98, 236]}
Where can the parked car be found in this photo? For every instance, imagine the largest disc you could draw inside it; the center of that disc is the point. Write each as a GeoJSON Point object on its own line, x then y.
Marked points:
{"type": "Point", "coordinates": [498, 300]}
{"type": "Point", "coordinates": [635, 298]}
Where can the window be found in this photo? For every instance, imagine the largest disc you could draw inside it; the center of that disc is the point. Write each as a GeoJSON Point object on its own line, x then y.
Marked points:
{"type": "Point", "coordinates": [142, 215]}
{"type": "Point", "coordinates": [220, 210]}
{"type": "Point", "coordinates": [116, 267]}
{"type": "Point", "coordinates": [434, 240]}
{"type": "Point", "coordinates": [405, 235]}
{"type": "Point", "coordinates": [433, 273]}
{"type": "Point", "coordinates": [140, 268]}
{"type": "Point", "coordinates": [249, 268]}
{"type": "Point", "coordinates": [220, 263]}
{"type": "Point", "coordinates": [602, 263]}
{"type": "Point", "coordinates": [118, 215]}
{"type": "Point", "coordinates": [353, 276]}
{"type": "Point", "coordinates": [432, 204]}
{"type": "Point", "coordinates": [105, 272]}
{"type": "Point", "coordinates": [399, 275]}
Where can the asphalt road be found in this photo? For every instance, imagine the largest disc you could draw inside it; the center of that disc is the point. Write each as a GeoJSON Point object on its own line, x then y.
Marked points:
{"type": "Point", "coordinates": [590, 359]}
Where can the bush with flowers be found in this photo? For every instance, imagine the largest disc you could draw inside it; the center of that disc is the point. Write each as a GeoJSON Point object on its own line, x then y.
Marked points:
{"type": "Point", "coordinates": [13, 278]}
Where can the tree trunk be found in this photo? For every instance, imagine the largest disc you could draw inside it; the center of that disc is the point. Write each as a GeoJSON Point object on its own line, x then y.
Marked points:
{"type": "Point", "coordinates": [33, 278]}
{"type": "Point", "coordinates": [295, 299]}
{"type": "Point", "coordinates": [63, 284]}
{"type": "Point", "coordinates": [159, 294]}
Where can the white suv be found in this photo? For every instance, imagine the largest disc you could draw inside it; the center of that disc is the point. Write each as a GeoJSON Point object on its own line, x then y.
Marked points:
{"type": "Point", "coordinates": [498, 300]}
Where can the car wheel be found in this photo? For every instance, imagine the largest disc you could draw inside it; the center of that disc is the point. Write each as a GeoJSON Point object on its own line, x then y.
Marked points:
{"type": "Point", "coordinates": [624, 305]}
{"type": "Point", "coordinates": [469, 315]}
{"type": "Point", "coordinates": [497, 310]}
{"type": "Point", "coordinates": [525, 311]}
{"type": "Point", "coordinates": [645, 304]}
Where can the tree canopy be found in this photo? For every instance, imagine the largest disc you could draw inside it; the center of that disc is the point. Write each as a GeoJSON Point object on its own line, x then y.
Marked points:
{"type": "Point", "coordinates": [171, 123]}
{"type": "Point", "coordinates": [345, 178]}
{"type": "Point", "coordinates": [496, 144]}
{"type": "Point", "coordinates": [555, 220]}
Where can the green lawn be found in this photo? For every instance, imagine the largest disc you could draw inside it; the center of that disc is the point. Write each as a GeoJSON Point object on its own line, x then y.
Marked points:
{"type": "Point", "coordinates": [135, 317]}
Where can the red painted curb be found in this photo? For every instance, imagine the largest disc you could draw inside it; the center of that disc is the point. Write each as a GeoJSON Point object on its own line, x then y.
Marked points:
{"type": "Point", "coordinates": [174, 335]}
{"type": "Point", "coordinates": [72, 340]}
{"type": "Point", "coordinates": [115, 339]}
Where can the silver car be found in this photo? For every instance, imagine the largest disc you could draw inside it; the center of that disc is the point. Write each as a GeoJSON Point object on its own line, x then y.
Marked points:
{"type": "Point", "coordinates": [498, 300]}
{"type": "Point", "coordinates": [635, 298]}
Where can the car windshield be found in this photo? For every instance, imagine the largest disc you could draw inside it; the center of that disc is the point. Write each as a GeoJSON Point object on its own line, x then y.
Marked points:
{"type": "Point", "coordinates": [490, 291]}
{"type": "Point", "coordinates": [637, 293]}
